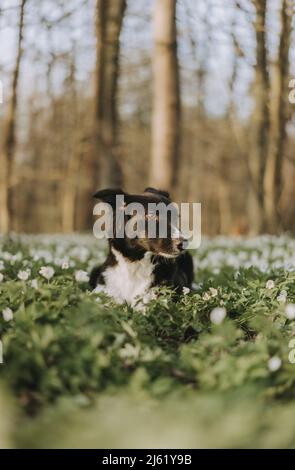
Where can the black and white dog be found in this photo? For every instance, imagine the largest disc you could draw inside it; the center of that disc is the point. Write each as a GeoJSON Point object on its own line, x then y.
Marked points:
{"type": "Point", "coordinates": [134, 266]}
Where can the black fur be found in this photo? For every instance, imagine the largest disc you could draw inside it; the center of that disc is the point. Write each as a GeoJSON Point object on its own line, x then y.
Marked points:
{"type": "Point", "coordinates": [175, 273]}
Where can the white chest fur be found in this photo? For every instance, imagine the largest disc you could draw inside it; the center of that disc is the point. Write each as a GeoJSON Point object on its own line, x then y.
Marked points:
{"type": "Point", "coordinates": [128, 281]}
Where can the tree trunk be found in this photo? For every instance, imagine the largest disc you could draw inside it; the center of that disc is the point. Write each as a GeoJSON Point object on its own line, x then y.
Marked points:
{"type": "Point", "coordinates": [7, 153]}
{"type": "Point", "coordinates": [166, 98]}
{"type": "Point", "coordinates": [109, 19]}
{"type": "Point", "coordinates": [279, 118]}
{"type": "Point", "coordinates": [224, 205]}
{"type": "Point", "coordinates": [70, 184]}
{"type": "Point", "coordinates": [70, 191]}
{"type": "Point", "coordinates": [260, 121]}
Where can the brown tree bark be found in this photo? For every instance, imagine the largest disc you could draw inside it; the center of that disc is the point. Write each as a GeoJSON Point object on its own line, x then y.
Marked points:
{"type": "Point", "coordinates": [109, 19]}
{"type": "Point", "coordinates": [166, 98]}
{"type": "Point", "coordinates": [261, 122]}
{"type": "Point", "coordinates": [7, 152]}
{"type": "Point", "coordinates": [279, 119]}
{"type": "Point", "coordinates": [70, 184]}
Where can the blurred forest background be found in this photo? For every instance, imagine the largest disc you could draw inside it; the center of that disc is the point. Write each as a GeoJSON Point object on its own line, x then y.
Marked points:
{"type": "Point", "coordinates": [187, 95]}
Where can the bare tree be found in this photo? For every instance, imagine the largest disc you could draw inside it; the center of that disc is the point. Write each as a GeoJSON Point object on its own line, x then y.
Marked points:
{"type": "Point", "coordinates": [109, 18]}
{"type": "Point", "coordinates": [279, 118]}
{"type": "Point", "coordinates": [166, 97]}
{"type": "Point", "coordinates": [7, 152]}
{"type": "Point", "coordinates": [69, 188]}
{"type": "Point", "coordinates": [260, 122]}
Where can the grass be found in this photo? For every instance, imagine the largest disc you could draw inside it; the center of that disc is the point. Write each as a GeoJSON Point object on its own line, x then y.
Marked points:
{"type": "Point", "coordinates": [80, 370]}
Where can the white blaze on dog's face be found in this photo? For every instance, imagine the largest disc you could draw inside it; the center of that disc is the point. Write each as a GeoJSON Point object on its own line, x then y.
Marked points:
{"type": "Point", "coordinates": [150, 221]}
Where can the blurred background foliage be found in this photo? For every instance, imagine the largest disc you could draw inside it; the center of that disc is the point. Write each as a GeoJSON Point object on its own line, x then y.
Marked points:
{"type": "Point", "coordinates": [92, 99]}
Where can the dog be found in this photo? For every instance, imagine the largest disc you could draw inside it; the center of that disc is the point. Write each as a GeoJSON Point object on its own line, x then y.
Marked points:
{"type": "Point", "coordinates": [136, 265]}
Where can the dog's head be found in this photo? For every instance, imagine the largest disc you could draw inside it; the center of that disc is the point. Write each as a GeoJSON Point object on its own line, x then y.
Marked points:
{"type": "Point", "coordinates": [149, 221]}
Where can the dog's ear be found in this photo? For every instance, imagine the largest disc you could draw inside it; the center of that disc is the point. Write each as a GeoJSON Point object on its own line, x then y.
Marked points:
{"type": "Point", "coordinates": [109, 195]}
{"type": "Point", "coordinates": [157, 191]}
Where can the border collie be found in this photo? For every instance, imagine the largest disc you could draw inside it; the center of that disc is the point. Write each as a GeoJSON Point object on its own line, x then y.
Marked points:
{"type": "Point", "coordinates": [135, 266]}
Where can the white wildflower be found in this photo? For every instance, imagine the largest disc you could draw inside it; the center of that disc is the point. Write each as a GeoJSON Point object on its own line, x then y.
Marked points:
{"type": "Point", "coordinates": [213, 291]}
{"type": "Point", "coordinates": [81, 276]}
{"type": "Point", "coordinates": [129, 351]}
{"type": "Point", "coordinates": [65, 265]}
{"type": "Point", "coordinates": [47, 272]}
{"type": "Point", "coordinates": [290, 311]}
{"type": "Point", "coordinates": [206, 296]}
{"type": "Point", "coordinates": [24, 275]}
{"type": "Point", "coordinates": [185, 290]}
{"type": "Point", "coordinates": [274, 363]}
{"type": "Point", "coordinates": [282, 297]}
{"type": "Point", "coordinates": [270, 284]}
{"type": "Point", "coordinates": [217, 315]}
{"type": "Point", "coordinates": [34, 283]}
{"type": "Point", "coordinates": [7, 314]}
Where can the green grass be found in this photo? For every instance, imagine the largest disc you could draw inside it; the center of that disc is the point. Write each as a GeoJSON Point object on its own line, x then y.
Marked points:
{"type": "Point", "coordinates": [80, 370]}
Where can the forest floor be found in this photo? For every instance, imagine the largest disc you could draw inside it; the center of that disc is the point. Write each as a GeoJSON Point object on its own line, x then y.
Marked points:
{"type": "Point", "coordinates": [215, 369]}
